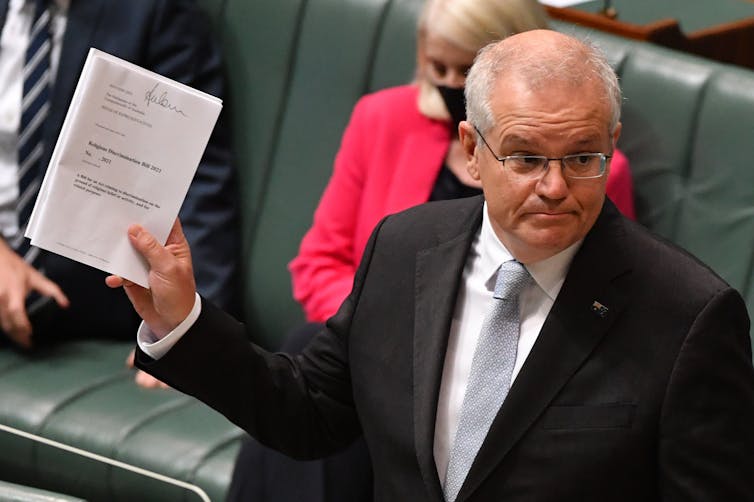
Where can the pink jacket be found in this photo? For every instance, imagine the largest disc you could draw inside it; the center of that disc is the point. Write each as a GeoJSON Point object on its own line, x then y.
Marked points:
{"type": "Point", "coordinates": [388, 161]}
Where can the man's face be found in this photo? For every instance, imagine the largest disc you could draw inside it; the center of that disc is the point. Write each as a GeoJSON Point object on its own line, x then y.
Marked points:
{"type": "Point", "coordinates": [538, 217]}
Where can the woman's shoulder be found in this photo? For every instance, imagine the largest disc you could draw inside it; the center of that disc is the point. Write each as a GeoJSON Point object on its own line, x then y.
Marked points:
{"type": "Point", "coordinates": [389, 101]}
{"type": "Point", "coordinates": [393, 107]}
{"type": "Point", "coordinates": [398, 95]}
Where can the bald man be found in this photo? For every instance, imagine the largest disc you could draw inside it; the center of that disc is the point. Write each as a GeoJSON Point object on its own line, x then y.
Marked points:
{"type": "Point", "coordinates": [621, 372]}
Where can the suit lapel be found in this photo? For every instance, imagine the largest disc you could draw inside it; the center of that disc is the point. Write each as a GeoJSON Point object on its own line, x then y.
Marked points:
{"type": "Point", "coordinates": [571, 331]}
{"type": "Point", "coordinates": [438, 274]}
{"type": "Point", "coordinates": [82, 21]}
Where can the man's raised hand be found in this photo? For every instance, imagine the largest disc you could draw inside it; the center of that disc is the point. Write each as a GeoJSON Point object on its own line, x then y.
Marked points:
{"type": "Point", "coordinates": [171, 292]}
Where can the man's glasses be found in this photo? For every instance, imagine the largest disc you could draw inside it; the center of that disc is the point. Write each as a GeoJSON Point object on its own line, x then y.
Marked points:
{"type": "Point", "coordinates": [579, 166]}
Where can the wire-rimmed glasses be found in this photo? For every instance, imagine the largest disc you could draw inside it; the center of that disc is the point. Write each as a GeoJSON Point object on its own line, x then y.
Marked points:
{"type": "Point", "coordinates": [579, 166]}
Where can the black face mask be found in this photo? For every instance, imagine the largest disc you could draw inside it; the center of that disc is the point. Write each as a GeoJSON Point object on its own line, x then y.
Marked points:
{"type": "Point", "coordinates": [455, 103]}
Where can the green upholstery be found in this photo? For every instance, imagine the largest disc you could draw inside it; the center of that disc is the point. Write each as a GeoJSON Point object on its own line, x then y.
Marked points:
{"type": "Point", "coordinates": [296, 67]}
{"type": "Point", "coordinates": [16, 493]}
{"type": "Point", "coordinates": [81, 395]}
{"type": "Point", "coordinates": [300, 67]}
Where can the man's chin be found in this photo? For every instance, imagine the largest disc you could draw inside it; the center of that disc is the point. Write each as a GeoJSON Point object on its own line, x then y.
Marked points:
{"type": "Point", "coordinates": [547, 242]}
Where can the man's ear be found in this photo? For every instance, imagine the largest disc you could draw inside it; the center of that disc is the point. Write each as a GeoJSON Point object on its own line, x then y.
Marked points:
{"type": "Point", "coordinates": [467, 135]}
{"type": "Point", "coordinates": [616, 134]}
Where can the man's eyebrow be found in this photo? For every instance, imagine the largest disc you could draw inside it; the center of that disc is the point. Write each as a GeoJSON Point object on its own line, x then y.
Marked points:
{"type": "Point", "coordinates": [515, 139]}
{"type": "Point", "coordinates": [588, 140]}
{"type": "Point", "coordinates": [523, 141]}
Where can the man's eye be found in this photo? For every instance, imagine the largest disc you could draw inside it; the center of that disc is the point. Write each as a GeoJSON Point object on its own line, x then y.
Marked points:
{"type": "Point", "coordinates": [531, 160]}
{"type": "Point", "coordinates": [582, 159]}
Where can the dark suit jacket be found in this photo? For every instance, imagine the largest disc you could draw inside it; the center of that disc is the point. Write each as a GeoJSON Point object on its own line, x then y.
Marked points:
{"type": "Point", "coordinates": [170, 37]}
{"type": "Point", "coordinates": [652, 399]}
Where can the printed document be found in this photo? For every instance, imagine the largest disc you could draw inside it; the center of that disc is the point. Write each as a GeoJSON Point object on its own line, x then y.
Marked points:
{"type": "Point", "coordinates": [127, 153]}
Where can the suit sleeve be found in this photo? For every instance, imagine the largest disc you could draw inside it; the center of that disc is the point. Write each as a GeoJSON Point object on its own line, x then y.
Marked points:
{"type": "Point", "coordinates": [299, 405]}
{"type": "Point", "coordinates": [707, 422]}
{"type": "Point", "coordinates": [181, 47]}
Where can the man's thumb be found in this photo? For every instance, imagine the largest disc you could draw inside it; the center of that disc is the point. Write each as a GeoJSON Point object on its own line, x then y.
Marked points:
{"type": "Point", "coordinates": [147, 245]}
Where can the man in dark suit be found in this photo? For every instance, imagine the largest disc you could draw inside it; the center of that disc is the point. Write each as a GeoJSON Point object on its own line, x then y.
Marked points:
{"type": "Point", "coordinates": [171, 38]}
{"type": "Point", "coordinates": [632, 378]}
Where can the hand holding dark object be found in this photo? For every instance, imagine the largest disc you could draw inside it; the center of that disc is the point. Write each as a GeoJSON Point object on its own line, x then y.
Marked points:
{"type": "Point", "coordinates": [17, 280]}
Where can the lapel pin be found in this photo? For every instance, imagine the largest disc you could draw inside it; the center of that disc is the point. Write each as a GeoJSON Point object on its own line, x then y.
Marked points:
{"type": "Point", "coordinates": [599, 309]}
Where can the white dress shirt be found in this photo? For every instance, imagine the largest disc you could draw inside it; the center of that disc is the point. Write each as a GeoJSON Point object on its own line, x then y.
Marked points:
{"type": "Point", "coordinates": [475, 295]}
{"type": "Point", "coordinates": [474, 299]}
{"type": "Point", "coordinates": [13, 42]}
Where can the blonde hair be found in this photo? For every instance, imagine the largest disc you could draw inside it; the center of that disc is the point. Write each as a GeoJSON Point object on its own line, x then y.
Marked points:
{"type": "Point", "coordinates": [471, 25]}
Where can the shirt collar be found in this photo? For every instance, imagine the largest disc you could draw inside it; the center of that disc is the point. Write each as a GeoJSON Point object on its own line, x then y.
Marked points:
{"type": "Point", "coordinates": [549, 274]}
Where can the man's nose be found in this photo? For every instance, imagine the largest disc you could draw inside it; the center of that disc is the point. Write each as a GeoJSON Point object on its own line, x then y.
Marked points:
{"type": "Point", "coordinates": [553, 183]}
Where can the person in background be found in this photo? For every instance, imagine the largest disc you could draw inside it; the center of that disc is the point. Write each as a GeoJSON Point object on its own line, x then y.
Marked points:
{"type": "Point", "coordinates": [170, 38]}
{"type": "Point", "coordinates": [400, 149]}
{"type": "Point", "coordinates": [528, 344]}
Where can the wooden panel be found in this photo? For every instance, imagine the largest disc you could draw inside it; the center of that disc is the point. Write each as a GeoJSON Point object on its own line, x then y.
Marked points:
{"type": "Point", "coordinates": [728, 42]}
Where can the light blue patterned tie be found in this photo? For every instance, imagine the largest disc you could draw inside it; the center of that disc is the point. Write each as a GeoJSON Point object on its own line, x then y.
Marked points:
{"type": "Point", "coordinates": [35, 106]}
{"type": "Point", "coordinates": [490, 376]}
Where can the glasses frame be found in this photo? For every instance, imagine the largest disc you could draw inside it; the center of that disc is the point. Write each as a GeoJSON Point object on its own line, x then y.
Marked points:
{"type": "Point", "coordinates": [604, 158]}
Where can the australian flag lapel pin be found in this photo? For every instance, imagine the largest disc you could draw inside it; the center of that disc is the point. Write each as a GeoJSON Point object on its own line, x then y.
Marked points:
{"type": "Point", "coordinates": [599, 309]}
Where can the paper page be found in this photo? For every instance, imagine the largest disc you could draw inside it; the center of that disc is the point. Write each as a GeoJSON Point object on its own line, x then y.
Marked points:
{"type": "Point", "coordinates": [127, 152]}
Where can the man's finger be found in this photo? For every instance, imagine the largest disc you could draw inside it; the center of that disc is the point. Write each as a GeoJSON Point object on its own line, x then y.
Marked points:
{"type": "Point", "coordinates": [148, 381]}
{"type": "Point", "coordinates": [114, 281]}
{"type": "Point", "coordinates": [140, 298]}
{"type": "Point", "coordinates": [158, 257]}
{"type": "Point", "coordinates": [176, 234]}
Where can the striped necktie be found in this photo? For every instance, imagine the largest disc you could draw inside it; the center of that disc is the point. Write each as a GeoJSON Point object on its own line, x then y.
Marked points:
{"type": "Point", "coordinates": [35, 106]}
{"type": "Point", "coordinates": [490, 376]}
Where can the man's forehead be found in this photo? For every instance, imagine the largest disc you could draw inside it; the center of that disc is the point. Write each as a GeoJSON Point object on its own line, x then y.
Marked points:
{"type": "Point", "coordinates": [567, 81]}
{"type": "Point", "coordinates": [517, 94]}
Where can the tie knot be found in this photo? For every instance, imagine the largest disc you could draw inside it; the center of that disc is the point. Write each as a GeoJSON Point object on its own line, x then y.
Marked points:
{"type": "Point", "coordinates": [511, 279]}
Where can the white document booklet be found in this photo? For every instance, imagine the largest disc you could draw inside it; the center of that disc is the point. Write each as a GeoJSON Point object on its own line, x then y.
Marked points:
{"type": "Point", "coordinates": [127, 152]}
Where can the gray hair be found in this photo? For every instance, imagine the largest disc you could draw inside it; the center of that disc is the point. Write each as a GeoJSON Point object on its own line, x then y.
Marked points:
{"type": "Point", "coordinates": [573, 61]}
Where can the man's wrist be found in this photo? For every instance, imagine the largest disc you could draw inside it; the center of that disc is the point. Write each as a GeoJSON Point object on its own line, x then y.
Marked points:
{"type": "Point", "coordinates": [156, 347]}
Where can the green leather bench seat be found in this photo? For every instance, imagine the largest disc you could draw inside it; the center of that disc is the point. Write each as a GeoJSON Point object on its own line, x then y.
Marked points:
{"type": "Point", "coordinates": [16, 493]}
{"type": "Point", "coordinates": [80, 394]}
{"type": "Point", "coordinates": [296, 68]}
{"type": "Point", "coordinates": [299, 68]}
